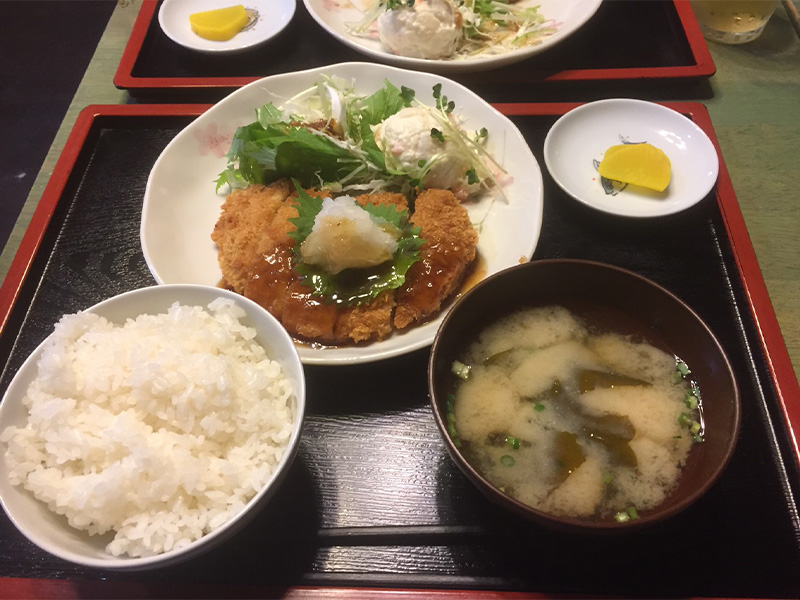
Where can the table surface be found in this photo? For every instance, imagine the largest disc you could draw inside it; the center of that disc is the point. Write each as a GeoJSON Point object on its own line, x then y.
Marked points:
{"type": "Point", "coordinates": [752, 101]}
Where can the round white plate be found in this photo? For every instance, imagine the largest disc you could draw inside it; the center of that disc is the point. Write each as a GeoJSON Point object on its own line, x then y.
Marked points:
{"type": "Point", "coordinates": [576, 144]}
{"type": "Point", "coordinates": [181, 205]}
{"type": "Point", "coordinates": [273, 16]}
{"type": "Point", "coordinates": [338, 16]}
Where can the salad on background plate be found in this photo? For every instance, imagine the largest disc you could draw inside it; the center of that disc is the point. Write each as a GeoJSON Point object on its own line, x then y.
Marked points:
{"type": "Point", "coordinates": [449, 36]}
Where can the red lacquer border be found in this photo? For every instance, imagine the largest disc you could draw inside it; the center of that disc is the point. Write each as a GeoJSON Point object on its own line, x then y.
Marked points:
{"type": "Point", "coordinates": [786, 384]}
{"type": "Point", "coordinates": [32, 238]}
{"type": "Point", "coordinates": [703, 67]}
{"type": "Point", "coordinates": [56, 589]}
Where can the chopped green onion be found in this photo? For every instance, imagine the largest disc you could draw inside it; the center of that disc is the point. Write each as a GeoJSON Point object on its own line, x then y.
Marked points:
{"type": "Point", "coordinates": [629, 514]}
{"type": "Point", "coordinates": [695, 428]}
{"type": "Point", "coordinates": [507, 460]}
{"type": "Point", "coordinates": [683, 419]}
{"type": "Point", "coordinates": [538, 406]}
{"type": "Point", "coordinates": [451, 429]}
{"type": "Point", "coordinates": [512, 441]}
{"type": "Point", "coordinates": [683, 368]}
{"type": "Point", "coordinates": [460, 369]}
{"type": "Point", "coordinates": [699, 438]}
{"type": "Point", "coordinates": [608, 478]}
{"type": "Point", "coordinates": [690, 401]}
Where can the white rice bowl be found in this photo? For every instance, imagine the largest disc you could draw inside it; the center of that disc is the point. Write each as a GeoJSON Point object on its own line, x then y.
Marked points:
{"type": "Point", "coordinates": [133, 441]}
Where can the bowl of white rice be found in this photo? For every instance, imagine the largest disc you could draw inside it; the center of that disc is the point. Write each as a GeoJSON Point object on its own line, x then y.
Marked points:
{"type": "Point", "coordinates": [150, 427]}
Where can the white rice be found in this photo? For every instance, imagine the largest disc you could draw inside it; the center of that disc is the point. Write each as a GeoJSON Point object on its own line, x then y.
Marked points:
{"type": "Point", "coordinates": [159, 430]}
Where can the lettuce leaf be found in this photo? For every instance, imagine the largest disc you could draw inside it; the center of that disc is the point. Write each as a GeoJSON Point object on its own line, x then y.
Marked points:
{"type": "Point", "coordinates": [355, 286]}
{"type": "Point", "coordinates": [269, 148]}
{"type": "Point", "coordinates": [373, 110]}
{"type": "Point", "coordinates": [263, 154]}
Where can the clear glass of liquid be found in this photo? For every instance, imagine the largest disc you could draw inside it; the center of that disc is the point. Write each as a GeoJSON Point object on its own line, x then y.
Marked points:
{"type": "Point", "coordinates": [733, 21]}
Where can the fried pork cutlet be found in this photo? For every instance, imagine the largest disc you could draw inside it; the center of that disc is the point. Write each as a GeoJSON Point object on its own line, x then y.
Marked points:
{"type": "Point", "coordinates": [255, 254]}
{"type": "Point", "coordinates": [450, 242]}
{"type": "Point", "coordinates": [239, 232]}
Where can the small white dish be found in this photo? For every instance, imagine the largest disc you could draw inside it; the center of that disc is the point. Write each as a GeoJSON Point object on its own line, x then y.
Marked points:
{"type": "Point", "coordinates": [577, 141]}
{"type": "Point", "coordinates": [338, 18]}
{"type": "Point", "coordinates": [181, 205]}
{"type": "Point", "coordinates": [50, 531]}
{"type": "Point", "coordinates": [273, 17]}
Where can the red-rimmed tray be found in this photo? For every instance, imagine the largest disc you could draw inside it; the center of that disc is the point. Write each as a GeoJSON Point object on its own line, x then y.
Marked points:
{"type": "Point", "coordinates": [373, 505]}
{"type": "Point", "coordinates": [625, 41]}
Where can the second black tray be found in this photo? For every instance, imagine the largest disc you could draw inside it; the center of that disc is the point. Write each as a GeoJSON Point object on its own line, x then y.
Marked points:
{"type": "Point", "coordinates": [625, 41]}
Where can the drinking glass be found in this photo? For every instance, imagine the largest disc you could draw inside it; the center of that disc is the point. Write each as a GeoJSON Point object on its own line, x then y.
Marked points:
{"type": "Point", "coordinates": [733, 21]}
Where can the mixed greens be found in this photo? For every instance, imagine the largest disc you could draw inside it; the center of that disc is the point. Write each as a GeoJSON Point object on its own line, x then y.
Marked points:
{"type": "Point", "coordinates": [324, 138]}
{"type": "Point", "coordinates": [487, 26]}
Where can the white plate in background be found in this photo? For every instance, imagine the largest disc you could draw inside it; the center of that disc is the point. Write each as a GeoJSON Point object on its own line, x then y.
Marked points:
{"type": "Point", "coordinates": [337, 16]}
{"type": "Point", "coordinates": [273, 17]}
{"type": "Point", "coordinates": [578, 140]}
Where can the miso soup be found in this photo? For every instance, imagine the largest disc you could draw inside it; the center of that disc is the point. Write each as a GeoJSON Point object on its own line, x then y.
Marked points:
{"type": "Point", "coordinates": [572, 418]}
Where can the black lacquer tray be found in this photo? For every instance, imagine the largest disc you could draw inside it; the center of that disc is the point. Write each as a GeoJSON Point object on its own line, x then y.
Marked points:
{"type": "Point", "coordinates": [626, 41]}
{"type": "Point", "coordinates": [373, 500]}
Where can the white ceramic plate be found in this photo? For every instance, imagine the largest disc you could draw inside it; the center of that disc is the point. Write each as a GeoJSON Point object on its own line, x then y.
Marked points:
{"type": "Point", "coordinates": [337, 17]}
{"type": "Point", "coordinates": [576, 143]}
{"type": "Point", "coordinates": [273, 16]}
{"type": "Point", "coordinates": [181, 206]}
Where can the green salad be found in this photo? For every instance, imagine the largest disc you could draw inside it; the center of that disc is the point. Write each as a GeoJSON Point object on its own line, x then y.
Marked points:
{"type": "Point", "coordinates": [325, 138]}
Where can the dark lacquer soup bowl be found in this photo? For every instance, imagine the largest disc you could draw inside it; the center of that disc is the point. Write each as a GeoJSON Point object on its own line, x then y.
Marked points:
{"type": "Point", "coordinates": [622, 448]}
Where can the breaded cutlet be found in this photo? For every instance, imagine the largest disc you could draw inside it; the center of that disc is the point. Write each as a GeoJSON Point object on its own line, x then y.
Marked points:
{"type": "Point", "coordinates": [255, 256]}
{"type": "Point", "coordinates": [239, 231]}
{"type": "Point", "coordinates": [449, 248]}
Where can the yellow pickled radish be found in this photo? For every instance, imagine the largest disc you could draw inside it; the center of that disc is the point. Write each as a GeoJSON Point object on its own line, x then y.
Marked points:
{"type": "Point", "coordinates": [220, 24]}
{"type": "Point", "coordinates": [636, 164]}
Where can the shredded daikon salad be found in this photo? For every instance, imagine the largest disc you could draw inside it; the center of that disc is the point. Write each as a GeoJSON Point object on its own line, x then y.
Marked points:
{"type": "Point", "coordinates": [485, 27]}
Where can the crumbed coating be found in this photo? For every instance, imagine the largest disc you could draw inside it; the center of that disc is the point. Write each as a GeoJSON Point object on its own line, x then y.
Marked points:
{"type": "Point", "coordinates": [449, 248]}
{"type": "Point", "coordinates": [368, 321]}
{"type": "Point", "coordinates": [239, 231]}
{"type": "Point", "coordinates": [256, 254]}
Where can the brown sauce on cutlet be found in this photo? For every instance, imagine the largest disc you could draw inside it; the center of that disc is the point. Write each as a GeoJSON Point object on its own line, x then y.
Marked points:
{"type": "Point", "coordinates": [269, 279]}
{"type": "Point", "coordinates": [475, 273]}
{"type": "Point", "coordinates": [256, 259]}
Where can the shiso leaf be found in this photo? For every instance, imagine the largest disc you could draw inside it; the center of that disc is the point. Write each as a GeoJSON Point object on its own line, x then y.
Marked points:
{"type": "Point", "coordinates": [354, 286]}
